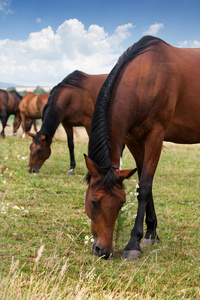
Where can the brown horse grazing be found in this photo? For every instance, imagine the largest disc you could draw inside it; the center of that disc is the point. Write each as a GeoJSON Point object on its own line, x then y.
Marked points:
{"type": "Point", "coordinates": [71, 103]}
{"type": "Point", "coordinates": [9, 102]}
{"type": "Point", "coordinates": [31, 107]}
{"type": "Point", "coordinates": [151, 95]}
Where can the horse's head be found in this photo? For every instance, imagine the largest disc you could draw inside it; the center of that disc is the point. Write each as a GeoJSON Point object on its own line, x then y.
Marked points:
{"type": "Point", "coordinates": [39, 152]}
{"type": "Point", "coordinates": [102, 207]}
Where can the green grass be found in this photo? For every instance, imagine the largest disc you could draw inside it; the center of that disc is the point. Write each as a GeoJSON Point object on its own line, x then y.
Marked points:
{"type": "Point", "coordinates": [47, 210]}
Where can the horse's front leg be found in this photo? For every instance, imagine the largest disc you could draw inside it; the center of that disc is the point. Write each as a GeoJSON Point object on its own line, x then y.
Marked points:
{"type": "Point", "coordinates": [151, 222]}
{"type": "Point", "coordinates": [35, 125]}
{"type": "Point", "coordinates": [4, 119]}
{"type": "Point", "coordinates": [70, 142]}
{"type": "Point", "coordinates": [152, 150]}
{"type": "Point", "coordinates": [133, 250]}
{"type": "Point", "coordinates": [23, 125]}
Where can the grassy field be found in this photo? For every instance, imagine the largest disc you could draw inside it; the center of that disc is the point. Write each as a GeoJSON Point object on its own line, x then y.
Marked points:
{"type": "Point", "coordinates": [45, 239]}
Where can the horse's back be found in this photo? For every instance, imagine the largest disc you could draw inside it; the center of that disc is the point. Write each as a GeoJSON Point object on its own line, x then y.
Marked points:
{"type": "Point", "coordinates": [3, 99]}
{"type": "Point", "coordinates": [161, 86]}
{"type": "Point", "coordinates": [184, 125]}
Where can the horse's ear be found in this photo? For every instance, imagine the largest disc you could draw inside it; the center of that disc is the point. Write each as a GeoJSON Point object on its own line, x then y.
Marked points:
{"type": "Point", "coordinates": [31, 134]}
{"type": "Point", "coordinates": [91, 167]}
{"type": "Point", "coordinates": [125, 174]}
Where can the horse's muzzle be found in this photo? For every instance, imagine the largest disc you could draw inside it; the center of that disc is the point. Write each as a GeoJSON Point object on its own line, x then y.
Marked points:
{"type": "Point", "coordinates": [34, 171]}
{"type": "Point", "coordinates": [101, 252]}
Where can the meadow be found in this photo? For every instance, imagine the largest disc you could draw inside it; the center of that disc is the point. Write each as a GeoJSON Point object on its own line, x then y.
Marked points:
{"type": "Point", "coordinates": [45, 238]}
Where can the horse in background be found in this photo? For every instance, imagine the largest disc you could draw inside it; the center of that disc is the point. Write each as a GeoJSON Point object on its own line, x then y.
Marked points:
{"type": "Point", "coordinates": [30, 108]}
{"type": "Point", "coordinates": [150, 96]}
{"type": "Point", "coordinates": [9, 105]}
{"type": "Point", "coordinates": [71, 103]}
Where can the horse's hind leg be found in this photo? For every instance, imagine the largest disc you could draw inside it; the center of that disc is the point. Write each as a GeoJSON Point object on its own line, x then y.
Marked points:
{"type": "Point", "coordinates": [151, 154]}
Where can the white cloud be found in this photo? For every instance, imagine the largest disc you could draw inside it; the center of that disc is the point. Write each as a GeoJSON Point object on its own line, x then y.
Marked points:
{"type": "Point", "coordinates": [38, 20]}
{"type": "Point", "coordinates": [5, 6]}
{"type": "Point", "coordinates": [46, 57]}
{"type": "Point", "coordinates": [189, 44]}
{"type": "Point", "coordinates": [154, 28]}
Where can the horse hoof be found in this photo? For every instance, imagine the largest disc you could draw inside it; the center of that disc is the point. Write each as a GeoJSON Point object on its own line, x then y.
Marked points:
{"type": "Point", "coordinates": [70, 172]}
{"type": "Point", "coordinates": [23, 135]}
{"type": "Point", "coordinates": [131, 254]}
{"type": "Point", "coordinates": [147, 242]}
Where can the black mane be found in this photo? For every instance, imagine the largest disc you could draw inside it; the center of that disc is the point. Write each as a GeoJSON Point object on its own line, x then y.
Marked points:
{"type": "Point", "coordinates": [74, 79]}
{"type": "Point", "coordinates": [51, 112]}
{"type": "Point", "coordinates": [99, 148]}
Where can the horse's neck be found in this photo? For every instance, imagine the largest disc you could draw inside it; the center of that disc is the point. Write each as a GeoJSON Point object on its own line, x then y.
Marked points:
{"type": "Point", "coordinates": [116, 140]}
{"type": "Point", "coordinates": [51, 122]}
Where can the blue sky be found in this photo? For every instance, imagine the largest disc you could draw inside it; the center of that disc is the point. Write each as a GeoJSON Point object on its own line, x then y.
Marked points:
{"type": "Point", "coordinates": [43, 41]}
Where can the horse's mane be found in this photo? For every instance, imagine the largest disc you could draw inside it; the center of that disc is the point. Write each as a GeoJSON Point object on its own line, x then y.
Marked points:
{"type": "Point", "coordinates": [16, 93]}
{"type": "Point", "coordinates": [99, 148]}
{"type": "Point", "coordinates": [51, 111]}
{"type": "Point", "coordinates": [74, 79]}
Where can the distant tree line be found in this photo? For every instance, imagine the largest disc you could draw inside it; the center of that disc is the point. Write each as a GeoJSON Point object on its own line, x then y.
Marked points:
{"type": "Point", "coordinates": [38, 90]}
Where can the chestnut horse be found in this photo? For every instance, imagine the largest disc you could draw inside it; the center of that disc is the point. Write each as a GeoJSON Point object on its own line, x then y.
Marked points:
{"type": "Point", "coordinates": [71, 103]}
{"type": "Point", "coordinates": [9, 103]}
{"type": "Point", "coordinates": [150, 96]}
{"type": "Point", "coordinates": [31, 107]}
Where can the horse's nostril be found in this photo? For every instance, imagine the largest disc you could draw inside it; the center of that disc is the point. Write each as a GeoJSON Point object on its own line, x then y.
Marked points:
{"type": "Point", "coordinates": [98, 250]}
{"type": "Point", "coordinates": [33, 171]}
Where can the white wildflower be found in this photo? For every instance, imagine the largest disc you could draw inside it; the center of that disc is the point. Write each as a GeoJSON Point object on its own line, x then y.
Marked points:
{"type": "Point", "coordinates": [16, 207]}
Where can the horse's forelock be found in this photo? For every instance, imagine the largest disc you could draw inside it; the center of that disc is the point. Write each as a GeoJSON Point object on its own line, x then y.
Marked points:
{"type": "Point", "coordinates": [107, 182]}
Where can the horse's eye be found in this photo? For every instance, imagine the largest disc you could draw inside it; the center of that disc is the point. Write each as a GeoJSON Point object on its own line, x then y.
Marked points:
{"type": "Point", "coordinates": [94, 203]}
{"type": "Point", "coordinates": [39, 151]}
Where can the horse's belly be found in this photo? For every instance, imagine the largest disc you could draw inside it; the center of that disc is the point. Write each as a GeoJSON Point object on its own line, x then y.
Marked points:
{"type": "Point", "coordinates": [186, 133]}
{"type": "Point", "coordinates": [34, 114]}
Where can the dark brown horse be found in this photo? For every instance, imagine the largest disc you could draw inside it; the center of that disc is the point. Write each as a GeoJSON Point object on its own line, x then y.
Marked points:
{"type": "Point", "coordinates": [71, 103]}
{"type": "Point", "coordinates": [9, 103]}
{"type": "Point", "coordinates": [151, 95]}
{"type": "Point", "coordinates": [31, 108]}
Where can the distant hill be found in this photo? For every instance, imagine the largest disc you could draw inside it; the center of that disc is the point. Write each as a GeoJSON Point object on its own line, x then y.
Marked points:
{"type": "Point", "coordinates": [6, 85]}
